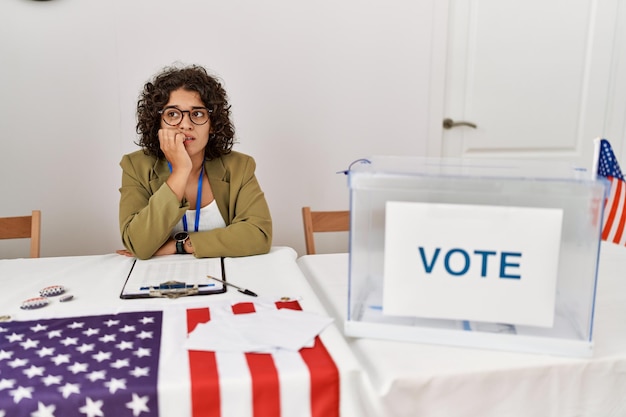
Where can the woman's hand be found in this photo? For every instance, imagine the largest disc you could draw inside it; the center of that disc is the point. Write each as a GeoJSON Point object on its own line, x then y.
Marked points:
{"type": "Point", "coordinates": [171, 141]}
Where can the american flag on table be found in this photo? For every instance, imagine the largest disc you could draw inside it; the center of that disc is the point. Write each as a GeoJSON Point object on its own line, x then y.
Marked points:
{"type": "Point", "coordinates": [80, 366]}
{"type": "Point", "coordinates": [109, 365]}
{"type": "Point", "coordinates": [614, 213]}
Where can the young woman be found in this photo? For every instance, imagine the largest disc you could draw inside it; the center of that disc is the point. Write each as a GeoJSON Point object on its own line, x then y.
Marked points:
{"type": "Point", "coordinates": [186, 191]}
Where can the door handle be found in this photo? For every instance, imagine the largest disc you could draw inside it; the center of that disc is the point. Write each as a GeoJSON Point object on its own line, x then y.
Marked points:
{"type": "Point", "coordinates": [449, 124]}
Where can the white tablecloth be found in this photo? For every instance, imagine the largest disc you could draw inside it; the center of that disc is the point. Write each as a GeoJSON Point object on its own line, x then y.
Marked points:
{"type": "Point", "coordinates": [96, 282]}
{"type": "Point", "coordinates": [411, 379]}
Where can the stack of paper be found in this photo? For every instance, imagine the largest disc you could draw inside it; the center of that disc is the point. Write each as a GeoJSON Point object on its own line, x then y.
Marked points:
{"type": "Point", "coordinates": [263, 331]}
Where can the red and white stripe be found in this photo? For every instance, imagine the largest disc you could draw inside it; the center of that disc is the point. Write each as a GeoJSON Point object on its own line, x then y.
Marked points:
{"type": "Point", "coordinates": [304, 383]}
{"type": "Point", "coordinates": [614, 213]}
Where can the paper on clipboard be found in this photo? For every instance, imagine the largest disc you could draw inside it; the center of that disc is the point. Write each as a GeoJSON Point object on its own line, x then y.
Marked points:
{"type": "Point", "coordinates": [150, 276]}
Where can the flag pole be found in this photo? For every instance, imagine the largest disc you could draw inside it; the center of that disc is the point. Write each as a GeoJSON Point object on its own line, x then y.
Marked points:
{"type": "Point", "coordinates": [596, 158]}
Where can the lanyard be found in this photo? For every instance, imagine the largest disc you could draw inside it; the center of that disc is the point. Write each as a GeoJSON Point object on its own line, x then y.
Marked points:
{"type": "Point", "coordinates": [198, 201]}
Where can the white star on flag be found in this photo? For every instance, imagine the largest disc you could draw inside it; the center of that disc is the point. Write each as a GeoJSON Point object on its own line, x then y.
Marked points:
{"type": "Point", "coordinates": [54, 333]}
{"type": "Point", "coordinates": [92, 408]}
{"type": "Point", "coordinates": [107, 338]}
{"type": "Point", "coordinates": [141, 352]}
{"type": "Point", "coordinates": [69, 341]}
{"type": "Point", "coordinates": [78, 367]}
{"type": "Point", "coordinates": [39, 327]}
{"type": "Point", "coordinates": [102, 356]}
{"type": "Point", "coordinates": [34, 371]}
{"type": "Point", "coordinates": [69, 389]}
{"type": "Point", "coordinates": [84, 348]}
{"type": "Point", "coordinates": [124, 345]}
{"type": "Point", "coordinates": [145, 335]}
{"type": "Point", "coordinates": [44, 410]}
{"type": "Point", "coordinates": [52, 380]}
{"type": "Point", "coordinates": [15, 337]}
{"type": "Point", "coordinates": [20, 393]}
{"type": "Point", "coordinates": [61, 358]}
{"type": "Point", "coordinates": [96, 375]}
{"type": "Point", "coordinates": [6, 383]}
{"type": "Point", "coordinates": [18, 362]}
{"type": "Point", "coordinates": [45, 351]}
{"type": "Point", "coordinates": [115, 384]}
{"type": "Point", "coordinates": [137, 372]}
{"type": "Point", "coordinates": [147, 320]}
{"type": "Point", "coordinates": [91, 332]}
{"type": "Point", "coordinates": [120, 363]}
{"type": "Point", "coordinates": [138, 404]}
{"type": "Point", "coordinates": [29, 343]}
{"type": "Point", "coordinates": [4, 354]}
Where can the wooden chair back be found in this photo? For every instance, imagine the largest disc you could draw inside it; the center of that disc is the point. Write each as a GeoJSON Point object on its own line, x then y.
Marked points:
{"type": "Point", "coordinates": [323, 221]}
{"type": "Point", "coordinates": [23, 227]}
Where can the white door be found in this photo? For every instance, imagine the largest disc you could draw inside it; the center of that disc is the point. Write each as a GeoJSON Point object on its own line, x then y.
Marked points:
{"type": "Point", "coordinates": [533, 76]}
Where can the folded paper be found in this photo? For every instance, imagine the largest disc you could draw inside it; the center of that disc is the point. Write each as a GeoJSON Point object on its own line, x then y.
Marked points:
{"type": "Point", "coordinates": [263, 331]}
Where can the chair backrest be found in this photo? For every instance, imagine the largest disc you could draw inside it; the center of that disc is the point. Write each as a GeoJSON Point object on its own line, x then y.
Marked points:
{"type": "Point", "coordinates": [323, 221]}
{"type": "Point", "coordinates": [23, 227]}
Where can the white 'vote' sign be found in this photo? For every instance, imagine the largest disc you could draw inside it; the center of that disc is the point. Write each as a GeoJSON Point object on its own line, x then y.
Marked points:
{"type": "Point", "coordinates": [467, 262]}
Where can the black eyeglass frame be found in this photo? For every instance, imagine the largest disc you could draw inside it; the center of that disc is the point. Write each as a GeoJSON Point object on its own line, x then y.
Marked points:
{"type": "Point", "coordinates": [188, 115]}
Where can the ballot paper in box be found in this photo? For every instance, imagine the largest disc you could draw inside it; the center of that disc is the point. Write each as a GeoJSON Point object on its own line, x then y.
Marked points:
{"type": "Point", "coordinates": [480, 253]}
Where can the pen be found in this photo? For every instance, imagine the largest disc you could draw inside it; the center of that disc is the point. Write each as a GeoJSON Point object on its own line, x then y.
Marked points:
{"type": "Point", "coordinates": [156, 287]}
{"type": "Point", "coordinates": [241, 290]}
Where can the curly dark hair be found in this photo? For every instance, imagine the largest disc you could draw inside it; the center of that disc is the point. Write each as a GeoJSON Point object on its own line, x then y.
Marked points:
{"type": "Point", "coordinates": [156, 94]}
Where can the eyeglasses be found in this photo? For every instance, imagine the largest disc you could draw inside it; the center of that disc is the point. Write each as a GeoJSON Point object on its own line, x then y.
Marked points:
{"type": "Point", "coordinates": [173, 116]}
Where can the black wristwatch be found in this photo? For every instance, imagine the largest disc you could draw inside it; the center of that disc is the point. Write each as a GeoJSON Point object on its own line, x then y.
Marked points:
{"type": "Point", "coordinates": [181, 238]}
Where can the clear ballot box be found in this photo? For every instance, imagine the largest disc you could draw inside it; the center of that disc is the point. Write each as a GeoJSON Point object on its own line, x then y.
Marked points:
{"type": "Point", "coordinates": [497, 254]}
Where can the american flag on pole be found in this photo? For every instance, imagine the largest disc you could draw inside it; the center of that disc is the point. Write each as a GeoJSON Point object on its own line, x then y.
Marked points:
{"type": "Point", "coordinates": [90, 366]}
{"type": "Point", "coordinates": [614, 213]}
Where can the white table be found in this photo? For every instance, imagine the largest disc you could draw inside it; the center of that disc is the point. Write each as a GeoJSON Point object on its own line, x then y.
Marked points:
{"type": "Point", "coordinates": [96, 282]}
{"type": "Point", "coordinates": [411, 379]}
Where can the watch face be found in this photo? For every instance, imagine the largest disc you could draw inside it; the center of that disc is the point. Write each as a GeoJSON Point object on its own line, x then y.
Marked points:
{"type": "Point", "coordinates": [180, 236]}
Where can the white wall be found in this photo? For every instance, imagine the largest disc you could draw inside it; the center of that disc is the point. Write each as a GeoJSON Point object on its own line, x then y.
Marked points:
{"type": "Point", "coordinates": [313, 86]}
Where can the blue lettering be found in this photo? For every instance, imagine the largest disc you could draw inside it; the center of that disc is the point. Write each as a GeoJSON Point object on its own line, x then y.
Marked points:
{"type": "Point", "coordinates": [457, 262]}
{"type": "Point", "coordinates": [465, 257]}
{"type": "Point", "coordinates": [504, 264]}
{"type": "Point", "coordinates": [429, 268]}
{"type": "Point", "coordinates": [485, 254]}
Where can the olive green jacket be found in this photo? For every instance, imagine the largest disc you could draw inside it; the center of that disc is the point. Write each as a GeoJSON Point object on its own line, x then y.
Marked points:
{"type": "Point", "coordinates": [149, 209]}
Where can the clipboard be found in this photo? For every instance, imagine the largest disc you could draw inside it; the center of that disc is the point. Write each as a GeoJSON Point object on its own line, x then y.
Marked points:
{"type": "Point", "coordinates": [173, 276]}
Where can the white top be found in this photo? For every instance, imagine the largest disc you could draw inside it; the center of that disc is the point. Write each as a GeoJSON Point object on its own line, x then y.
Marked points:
{"type": "Point", "coordinates": [210, 218]}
